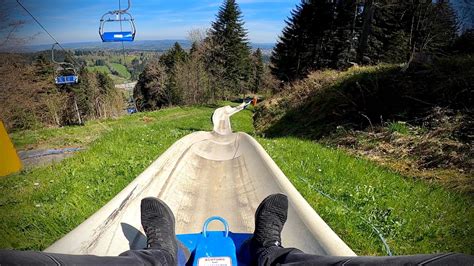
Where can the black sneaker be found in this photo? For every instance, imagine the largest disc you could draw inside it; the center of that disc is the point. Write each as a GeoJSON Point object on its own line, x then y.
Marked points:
{"type": "Point", "coordinates": [269, 220]}
{"type": "Point", "coordinates": [159, 225]}
{"type": "Point", "coordinates": [270, 217]}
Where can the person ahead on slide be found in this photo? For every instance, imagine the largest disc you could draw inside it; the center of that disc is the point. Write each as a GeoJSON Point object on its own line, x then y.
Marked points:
{"type": "Point", "coordinates": [264, 247]}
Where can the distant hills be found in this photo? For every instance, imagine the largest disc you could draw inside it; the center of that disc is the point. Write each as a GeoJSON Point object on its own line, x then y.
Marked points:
{"type": "Point", "coordinates": [149, 45]}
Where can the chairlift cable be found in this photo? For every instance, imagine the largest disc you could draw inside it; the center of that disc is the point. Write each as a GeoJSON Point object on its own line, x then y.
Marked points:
{"type": "Point", "coordinates": [50, 35]}
{"type": "Point", "coordinates": [121, 29]}
{"type": "Point", "coordinates": [9, 35]}
{"type": "Point", "coordinates": [123, 53]}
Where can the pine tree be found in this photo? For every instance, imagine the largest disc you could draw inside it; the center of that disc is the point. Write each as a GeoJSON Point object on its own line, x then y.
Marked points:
{"type": "Point", "coordinates": [194, 48]}
{"type": "Point", "coordinates": [259, 70]}
{"type": "Point", "coordinates": [343, 34]}
{"type": "Point", "coordinates": [464, 44]}
{"type": "Point", "coordinates": [399, 30]}
{"type": "Point", "coordinates": [333, 34]}
{"type": "Point", "coordinates": [286, 56]}
{"type": "Point", "coordinates": [152, 91]}
{"type": "Point", "coordinates": [231, 49]}
{"type": "Point", "coordinates": [439, 30]}
{"type": "Point", "coordinates": [170, 93]}
{"type": "Point", "coordinates": [172, 56]}
{"type": "Point", "coordinates": [305, 43]}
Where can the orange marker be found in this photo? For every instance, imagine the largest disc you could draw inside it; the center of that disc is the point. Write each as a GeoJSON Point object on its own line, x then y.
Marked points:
{"type": "Point", "coordinates": [254, 100]}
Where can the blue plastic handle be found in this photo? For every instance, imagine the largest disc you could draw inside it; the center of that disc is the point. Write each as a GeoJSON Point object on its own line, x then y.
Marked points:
{"type": "Point", "coordinates": [216, 218]}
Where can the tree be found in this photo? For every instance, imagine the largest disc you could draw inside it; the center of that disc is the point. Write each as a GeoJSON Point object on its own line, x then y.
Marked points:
{"type": "Point", "coordinates": [172, 56]}
{"type": "Point", "coordinates": [465, 10]}
{"type": "Point", "coordinates": [258, 70]}
{"type": "Point", "coordinates": [151, 92]}
{"type": "Point", "coordinates": [464, 44]}
{"type": "Point", "coordinates": [113, 99]}
{"type": "Point", "coordinates": [213, 63]}
{"type": "Point", "coordinates": [333, 34]}
{"type": "Point", "coordinates": [399, 30]}
{"type": "Point", "coordinates": [286, 56]}
{"type": "Point", "coordinates": [100, 62]}
{"type": "Point", "coordinates": [345, 21]}
{"type": "Point", "coordinates": [230, 48]}
{"type": "Point", "coordinates": [305, 41]}
{"type": "Point", "coordinates": [192, 80]}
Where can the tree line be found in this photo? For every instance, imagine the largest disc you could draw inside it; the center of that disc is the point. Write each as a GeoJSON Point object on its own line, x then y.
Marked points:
{"type": "Point", "coordinates": [219, 65]}
{"type": "Point", "coordinates": [320, 34]}
{"type": "Point", "coordinates": [30, 99]}
{"type": "Point", "coordinates": [336, 34]}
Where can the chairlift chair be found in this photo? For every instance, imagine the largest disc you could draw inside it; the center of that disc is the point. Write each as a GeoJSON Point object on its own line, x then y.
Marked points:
{"type": "Point", "coordinates": [64, 67]}
{"type": "Point", "coordinates": [120, 15]}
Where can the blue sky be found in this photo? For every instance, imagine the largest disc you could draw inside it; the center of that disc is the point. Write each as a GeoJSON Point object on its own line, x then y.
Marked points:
{"type": "Point", "coordinates": [78, 21]}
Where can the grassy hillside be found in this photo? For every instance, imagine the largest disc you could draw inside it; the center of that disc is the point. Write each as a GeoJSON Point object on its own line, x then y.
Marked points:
{"type": "Point", "coordinates": [38, 206]}
{"type": "Point", "coordinates": [121, 70]}
{"type": "Point", "coordinates": [103, 69]}
{"type": "Point", "coordinates": [365, 96]}
{"type": "Point", "coordinates": [417, 121]}
{"type": "Point", "coordinates": [119, 73]}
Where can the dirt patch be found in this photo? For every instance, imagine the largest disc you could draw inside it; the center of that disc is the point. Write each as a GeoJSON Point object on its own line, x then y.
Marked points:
{"type": "Point", "coordinates": [438, 148]}
{"type": "Point", "coordinates": [147, 119]}
{"type": "Point", "coordinates": [43, 157]}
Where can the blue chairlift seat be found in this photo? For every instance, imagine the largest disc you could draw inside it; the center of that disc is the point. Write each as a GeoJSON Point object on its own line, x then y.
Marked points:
{"type": "Point", "coordinates": [72, 79]}
{"type": "Point", "coordinates": [131, 110]}
{"type": "Point", "coordinates": [65, 72]}
{"type": "Point", "coordinates": [124, 36]}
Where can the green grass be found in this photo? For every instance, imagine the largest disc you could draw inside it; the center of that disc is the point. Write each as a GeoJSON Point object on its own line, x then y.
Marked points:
{"type": "Point", "coordinates": [123, 76]}
{"type": "Point", "coordinates": [400, 127]}
{"type": "Point", "coordinates": [103, 69]}
{"type": "Point", "coordinates": [119, 58]}
{"type": "Point", "coordinates": [414, 216]}
{"type": "Point", "coordinates": [61, 137]}
{"type": "Point", "coordinates": [121, 70]}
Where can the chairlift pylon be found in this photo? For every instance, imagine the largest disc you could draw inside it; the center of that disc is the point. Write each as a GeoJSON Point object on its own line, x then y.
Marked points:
{"type": "Point", "coordinates": [64, 67]}
{"type": "Point", "coordinates": [120, 15]}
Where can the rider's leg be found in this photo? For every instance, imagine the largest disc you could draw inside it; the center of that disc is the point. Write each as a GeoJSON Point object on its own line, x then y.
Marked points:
{"type": "Point", "coordinates": [162, 246]}
{"type": "Point", "coordinates": [266, 247]}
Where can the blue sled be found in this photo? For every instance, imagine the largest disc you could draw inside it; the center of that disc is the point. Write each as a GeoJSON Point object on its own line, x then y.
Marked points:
{"type": "Point", "coordinates": [214, 247]}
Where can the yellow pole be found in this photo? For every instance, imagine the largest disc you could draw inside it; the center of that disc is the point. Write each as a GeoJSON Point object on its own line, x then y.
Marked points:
{"type": "Point", "coordinates": [9, 161]}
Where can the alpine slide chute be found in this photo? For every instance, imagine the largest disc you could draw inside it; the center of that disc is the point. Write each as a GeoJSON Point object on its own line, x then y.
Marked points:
{"type": "Point", "coordinates": [202, 175]}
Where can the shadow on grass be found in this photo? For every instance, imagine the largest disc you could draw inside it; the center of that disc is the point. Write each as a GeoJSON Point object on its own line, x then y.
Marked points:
{"type": "Point", "coordinates": [367, 98]}
{"type": "Point", "coordinates": [193, 129]}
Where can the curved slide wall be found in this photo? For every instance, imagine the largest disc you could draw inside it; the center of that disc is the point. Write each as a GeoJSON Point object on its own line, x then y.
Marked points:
{"type": "Point", "coordinates": [202, 175]}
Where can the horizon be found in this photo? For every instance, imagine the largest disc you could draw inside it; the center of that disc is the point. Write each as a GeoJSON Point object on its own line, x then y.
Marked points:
{"type": "Point", "coordinates": [155, 20]}
{"type": "Point", "coordinates": [148, 40]}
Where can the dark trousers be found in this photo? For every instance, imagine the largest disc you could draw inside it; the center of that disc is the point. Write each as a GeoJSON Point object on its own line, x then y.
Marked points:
{"type": "Point", "coordinates": [293, 256]}
{"type": "Point", "coordinates": [131, 257]}
{"type": "Point", "coordinates": [269, 256]}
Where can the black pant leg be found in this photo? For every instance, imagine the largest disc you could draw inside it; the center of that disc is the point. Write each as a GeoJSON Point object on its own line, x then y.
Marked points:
{"type": "Point", "coordinates": [291, 256]}
{"type": "Point", "coordinates": [131, 257]}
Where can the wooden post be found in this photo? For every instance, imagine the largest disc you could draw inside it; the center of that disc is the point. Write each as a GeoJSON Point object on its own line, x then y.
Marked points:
{"type": "Point", "coordinates": [77, 111]}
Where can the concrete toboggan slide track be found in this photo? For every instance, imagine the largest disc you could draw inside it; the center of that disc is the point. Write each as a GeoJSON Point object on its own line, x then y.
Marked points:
{"type": "Point", "coordinates": [202, 175]}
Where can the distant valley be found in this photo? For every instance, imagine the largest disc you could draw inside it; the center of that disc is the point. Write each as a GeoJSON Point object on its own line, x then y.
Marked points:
{"type": "Point", "coordinates": [146, 45]}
